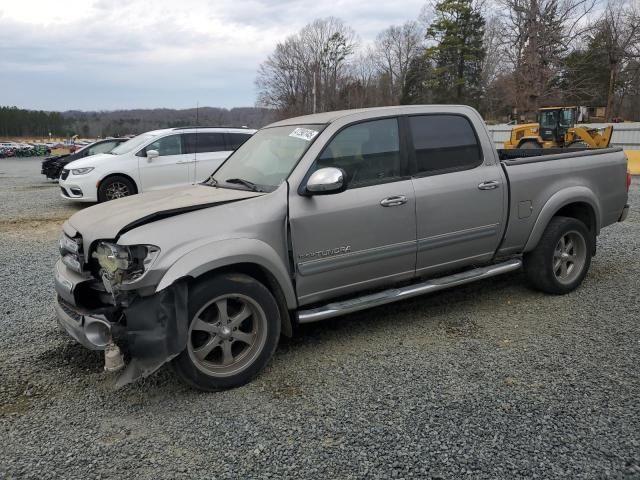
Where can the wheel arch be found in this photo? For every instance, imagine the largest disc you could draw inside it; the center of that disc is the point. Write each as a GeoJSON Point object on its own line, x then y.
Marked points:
{"type": "Point", "coordinates": [111, 175]}
{"type": "Point", "coordinates": [249, 256]}
{"type": "Point", "coordinates": [575, 202]}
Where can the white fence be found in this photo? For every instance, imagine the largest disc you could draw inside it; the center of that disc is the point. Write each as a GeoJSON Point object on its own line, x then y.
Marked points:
{"type": "Point", "coordinates": [625, 135]}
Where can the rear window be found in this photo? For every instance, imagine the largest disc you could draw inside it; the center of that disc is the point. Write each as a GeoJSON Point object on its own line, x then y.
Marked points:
{"type": "Point", "coordinates": [444, 143]}
{"type": "Point", "coordinates": [203, 142]}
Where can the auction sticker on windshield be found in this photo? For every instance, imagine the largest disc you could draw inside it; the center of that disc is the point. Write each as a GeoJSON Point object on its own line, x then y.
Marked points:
{"type": "Point", "coordinates": [303, 133]}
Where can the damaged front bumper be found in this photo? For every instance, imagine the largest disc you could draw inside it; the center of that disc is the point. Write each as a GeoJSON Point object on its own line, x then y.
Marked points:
{"type": "Point", "coordinates": [151, 330]}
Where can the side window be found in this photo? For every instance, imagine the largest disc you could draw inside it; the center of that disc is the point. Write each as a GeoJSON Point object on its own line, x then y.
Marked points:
{"type": "Point", "coordinates": [234, 140]}
{"type": "Point", "coordinates": [210, 142]}
{"type": "Point", "coordinates": [444, 143]}
{"type": "Point", "coordinates": [103, 147]}
{"type": "Point", "coordinates": [165, 146]}
{"type": "Point", "coordinates": [368, 152]}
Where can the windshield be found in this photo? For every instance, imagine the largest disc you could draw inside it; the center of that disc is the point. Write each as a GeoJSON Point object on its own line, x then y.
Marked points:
{"type": "Point", "coordinates": [549, 118]}
{"type": "Point", "coordinates": [566, 119]}
{"type": "Point", "coordinates": [267, 158]}
{"type": "Point", "coordinates": [132, 144]}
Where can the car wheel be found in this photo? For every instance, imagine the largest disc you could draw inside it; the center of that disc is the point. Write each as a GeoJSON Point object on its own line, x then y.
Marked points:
{"type": "Point", "coordinates": [562, 258]}
{"type": "Point", "coordinates": [529, 145]}
{"type": "Point", "coordinates": [115, 187]}
{"type": "Point", "coordinates": [234, 329]}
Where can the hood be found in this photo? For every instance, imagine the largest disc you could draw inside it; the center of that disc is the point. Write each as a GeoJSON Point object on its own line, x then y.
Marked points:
{"type": "Point", "coordinates": [90, 161]}
{"type": "Point", "coordinates": [110, 219]}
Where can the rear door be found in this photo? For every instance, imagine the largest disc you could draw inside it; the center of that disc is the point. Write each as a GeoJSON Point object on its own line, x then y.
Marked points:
{"type": "Point", "coordinates": [459, 194]}
{"type": "Point", "coordinates": [359, 238]}
{"type": "Point", "coordinates": [170, 168]}
{"type": "Point", "coordinates": [211, 150]}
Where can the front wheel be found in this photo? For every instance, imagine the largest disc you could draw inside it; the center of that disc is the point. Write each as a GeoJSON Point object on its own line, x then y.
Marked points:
{"type": "Point", "coordinates": [115, 187]}
{"type": "Point", "coordinates": [233, 331]}
{"type": "Point", "coordinates": [562, 258]}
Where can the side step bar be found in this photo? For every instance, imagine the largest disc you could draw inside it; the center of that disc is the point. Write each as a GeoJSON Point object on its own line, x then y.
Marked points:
{"type": "Point", "coordinates": [393, 295]}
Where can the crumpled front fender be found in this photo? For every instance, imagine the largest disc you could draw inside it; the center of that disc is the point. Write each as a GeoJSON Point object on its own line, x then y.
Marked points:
{"type": "Point", "coordinates": [225, 253]}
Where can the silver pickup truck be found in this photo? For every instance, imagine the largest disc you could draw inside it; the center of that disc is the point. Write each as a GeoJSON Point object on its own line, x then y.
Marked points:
{"type": "Point", "coordinates": [319, 216]}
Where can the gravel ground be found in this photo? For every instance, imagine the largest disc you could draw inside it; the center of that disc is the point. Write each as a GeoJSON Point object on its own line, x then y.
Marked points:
{"type": "Point", "coordinates": [490, 380]}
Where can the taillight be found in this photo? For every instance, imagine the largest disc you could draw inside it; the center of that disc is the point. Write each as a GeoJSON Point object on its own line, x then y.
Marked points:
{"type": "Point", "coordinates": [628, 180]}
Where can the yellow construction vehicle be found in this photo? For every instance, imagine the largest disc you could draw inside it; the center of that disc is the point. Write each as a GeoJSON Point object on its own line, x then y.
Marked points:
{"type": "Point", "coordinates": [557, 129]}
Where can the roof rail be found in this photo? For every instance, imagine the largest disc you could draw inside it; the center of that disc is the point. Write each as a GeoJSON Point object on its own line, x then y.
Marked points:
{"type": "Point", "coordinates": [210, 126]}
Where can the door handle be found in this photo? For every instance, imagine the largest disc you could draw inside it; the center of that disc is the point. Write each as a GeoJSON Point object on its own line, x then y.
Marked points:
{"type": "Point", "coordinates": [489, 185]}
{"type": "Point", "coordinates": [394, 201]}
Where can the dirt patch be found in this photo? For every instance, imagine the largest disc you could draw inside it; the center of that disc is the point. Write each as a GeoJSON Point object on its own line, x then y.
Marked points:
{"type": "Point", "coordinates": [73, 357]}
{"type": "Point", "coordinates": [21, 227]}
{"type": "Point", "coordinates": [460, 326]}
{"type": "Point", "coordinates": [17, 396]}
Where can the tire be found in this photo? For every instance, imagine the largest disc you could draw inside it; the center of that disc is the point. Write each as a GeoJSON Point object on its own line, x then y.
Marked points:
{"type": "Point", "coordinates": [578, 144]}
{"type": "Point", "coordinates": [115, 187]}
{"type": "Point", "coordinates": [562, 258]}
{"type": "Point", "coordinates": [215, 360]}
{"type": "Point", "coordinates": [529, 145]}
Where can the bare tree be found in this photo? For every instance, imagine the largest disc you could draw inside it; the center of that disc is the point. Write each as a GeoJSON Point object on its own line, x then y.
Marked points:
{"type": "Point", "coordinates": [620, 30]}
{"type": "Point", "coordinates": [538, 34]}
{"type": "Point", "coordinates": [395, 48]}
{"type": "Point", "coordinates": [305, 71]}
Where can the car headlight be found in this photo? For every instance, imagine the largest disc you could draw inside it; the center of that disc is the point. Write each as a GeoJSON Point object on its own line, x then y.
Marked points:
{"type": "Point", "coordinates": [124, 264]}
{"type": "Point", "coordinates": [81, 171]}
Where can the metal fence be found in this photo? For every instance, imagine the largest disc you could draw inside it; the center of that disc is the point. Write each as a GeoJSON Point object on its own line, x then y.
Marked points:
{"type": "Point", "coordinates": [625, 135]}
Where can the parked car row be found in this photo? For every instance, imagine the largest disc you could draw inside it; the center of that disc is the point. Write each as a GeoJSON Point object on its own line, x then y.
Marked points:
{"type": "Point", "coordinates": [52, 166]}
{"type": "Point", "coordinates": [12, 149]}
{"type": "Point", "coordinates": [154, 160]}
{"type": "Point", "coordinates": [311, 218]}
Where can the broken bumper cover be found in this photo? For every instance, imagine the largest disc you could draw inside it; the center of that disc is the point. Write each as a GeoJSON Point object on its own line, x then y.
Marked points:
{"type": "Point", "coordinates": [91, 331]}
{"type": "Point", "coordinates": [152, 330]}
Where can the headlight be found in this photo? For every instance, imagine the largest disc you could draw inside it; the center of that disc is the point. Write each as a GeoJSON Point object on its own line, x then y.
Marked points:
{"type": "Point", "coordinates": [81, 171]}
{"type": "Point", "coordinates": [124, 264]}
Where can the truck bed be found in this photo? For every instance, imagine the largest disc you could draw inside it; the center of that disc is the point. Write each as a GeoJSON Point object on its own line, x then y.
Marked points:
{"type": "Point", "coordinates": [595, 177]}
{"type": "Point", "coordinates": [516, 153]}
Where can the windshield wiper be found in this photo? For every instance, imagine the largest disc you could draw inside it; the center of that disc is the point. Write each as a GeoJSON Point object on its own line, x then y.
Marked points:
{"type": "Point", "coordinates": [250, 185]}
{"type": "Point", "coordinates": [211, 182]}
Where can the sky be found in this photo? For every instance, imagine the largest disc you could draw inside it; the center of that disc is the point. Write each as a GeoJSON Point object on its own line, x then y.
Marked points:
{"type": "Point", "coordinates": [118, 54]}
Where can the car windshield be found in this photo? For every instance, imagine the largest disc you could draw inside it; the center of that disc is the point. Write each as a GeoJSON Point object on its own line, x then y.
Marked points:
{"type": "Point", "coordinates": [132, 144]}
{"type": "Point", "coordinates": [264, 161]}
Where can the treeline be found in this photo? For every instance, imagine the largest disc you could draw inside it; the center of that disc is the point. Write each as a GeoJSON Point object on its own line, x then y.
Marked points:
{"type": "Point", "coordinates": [16, 122]}
{"type": "Point", "coordinates": [507, 59]}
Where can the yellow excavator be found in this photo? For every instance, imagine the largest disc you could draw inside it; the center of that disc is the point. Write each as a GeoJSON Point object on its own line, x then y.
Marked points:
{"type": "Point", "coordinates": [557, 129]}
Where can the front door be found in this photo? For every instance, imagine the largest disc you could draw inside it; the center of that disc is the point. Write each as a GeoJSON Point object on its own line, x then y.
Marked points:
{"type": "Point", "coordinates": [172, 166]}
{"type": "Point", "coordinates": [459, 197]}
{"type": "Point", "coordinates": [365, 236]}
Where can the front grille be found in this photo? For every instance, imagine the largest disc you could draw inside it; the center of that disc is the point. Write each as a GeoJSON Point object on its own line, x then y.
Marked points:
{"type": "Point", "coordinates": [64, 174]}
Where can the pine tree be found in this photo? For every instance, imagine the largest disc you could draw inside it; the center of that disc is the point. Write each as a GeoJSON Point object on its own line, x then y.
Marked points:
{"type": "Point", "coordinates": [416, 89]}
{"type": "Point", "coordinates": [458, 30]}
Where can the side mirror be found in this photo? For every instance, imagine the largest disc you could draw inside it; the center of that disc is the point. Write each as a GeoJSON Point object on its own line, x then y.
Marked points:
{"type": "Point", "coordinates": [326, 181]}
{"type": "Point", "coordinates": [151, 154]}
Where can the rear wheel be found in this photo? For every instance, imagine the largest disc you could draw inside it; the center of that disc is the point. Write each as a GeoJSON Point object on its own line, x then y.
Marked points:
{"type": "Point", "coordinates": [115, 187]}
{"type": "Point", "coordinates": [562, 258]}
{"type": "Point", "coordinates": [233, 331]}
{"type": "Point", "coordinates": [529, 145]}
